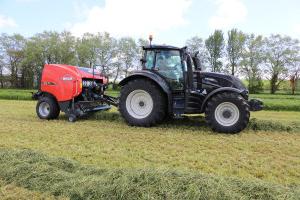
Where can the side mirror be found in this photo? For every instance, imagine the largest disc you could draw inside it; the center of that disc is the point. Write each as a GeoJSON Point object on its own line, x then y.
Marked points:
{"type": "Point", "coordinates": [197, 63]}
{"type": "Point", "coordinates": [143, 60]}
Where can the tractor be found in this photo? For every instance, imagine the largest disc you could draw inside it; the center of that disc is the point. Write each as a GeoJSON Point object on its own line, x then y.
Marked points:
{"type": "Point", "coordinates": [171, 83]}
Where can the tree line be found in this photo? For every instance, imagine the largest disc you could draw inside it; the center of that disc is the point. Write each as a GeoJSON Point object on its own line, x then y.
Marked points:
{"type": "Point", "coordinates": [22, 59]}
{"type": "Point", "coordinates": [252, 57]}
{"type": "Point", "coordinates": [275, 58]}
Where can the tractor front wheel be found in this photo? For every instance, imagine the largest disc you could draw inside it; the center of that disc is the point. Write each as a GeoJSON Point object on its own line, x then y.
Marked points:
{"type": "Point", "coordinates": [142, 103]}
{"type": "Point", "coordinates": [47, 108]}
{"type": "Point", "coordinates": [227, 113]}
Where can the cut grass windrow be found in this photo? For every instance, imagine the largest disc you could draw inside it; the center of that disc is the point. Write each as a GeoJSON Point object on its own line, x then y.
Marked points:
{"type": "Point", "coordinates": [58, 176]}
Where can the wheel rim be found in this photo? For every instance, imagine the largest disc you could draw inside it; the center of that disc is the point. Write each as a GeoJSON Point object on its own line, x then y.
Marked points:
{"type": "Point", "coordinates": [44, 109]}
{"type": "Point", "coordinates": [139, 104]}
{"type": "Point", "coordinates": [227, 114]}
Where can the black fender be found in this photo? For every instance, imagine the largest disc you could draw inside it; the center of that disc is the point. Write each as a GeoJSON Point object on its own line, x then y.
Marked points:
{"type": "Point", "coordinates": [40, 94]}
{"type": "Point", "coordinates": [163, 85]}
{"type": "Point", "coordinates": [243, 92]}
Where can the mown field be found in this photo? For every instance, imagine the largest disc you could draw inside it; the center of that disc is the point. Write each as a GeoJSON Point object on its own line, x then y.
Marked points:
{"type": "Point", "coordinates": [272, 102]}
{"type": "Point", "coordinates": [101, 157]}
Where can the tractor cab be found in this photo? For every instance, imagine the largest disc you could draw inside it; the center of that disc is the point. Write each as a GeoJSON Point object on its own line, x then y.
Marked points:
{"type": "Point", "coordinates": [174, 64]}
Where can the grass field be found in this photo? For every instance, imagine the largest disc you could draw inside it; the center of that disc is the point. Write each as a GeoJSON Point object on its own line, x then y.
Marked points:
{"type": "Point", "coordinates": [279, 101]}
{"type": "Point", "coordinates": [271, 102]}
{"type": "Point", "coordinates": [265, 157]}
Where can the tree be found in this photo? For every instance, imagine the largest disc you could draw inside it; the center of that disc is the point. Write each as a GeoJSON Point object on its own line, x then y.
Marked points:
{"type": "Point", "coordinates": [86, 49]}
{"type": "Point", "coordinates": [280, 54]}
{"type": "Point", "coordinates": [235, 47]}
{"type": "Point", "coordinates": [295, 73]}
{"type": "Point", "coordinates": [252, 58]}
{"type": "Point", "coordinates": [196, 44]}
{"type": "Point", "coordinates": [13, 46]}
{"type": "Point", "coordinates": [106, 51]}
{"type": "Point", "coordinates": [2, 64]}
{"type": "Point", "coordinates": [128, 53]}
{"type": "Point", "coordinates": [215, 45]}
{"type": "Point", "coordinates": [67, 48]}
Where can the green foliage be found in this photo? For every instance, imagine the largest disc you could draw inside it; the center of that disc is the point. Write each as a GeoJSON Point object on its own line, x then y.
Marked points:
{"type": "Point", "coordinates": [235, 47]}
{"type": "Point", "coordinates": [59, 176]}
{"type": "Point", "coordinates": [215, 47]}
{"type": "Point", "coordinates": [252, 58]}
{"type": "Point", "coordinates": [255, 85]}
{"type": "Point", "coordinates": [280, 53]}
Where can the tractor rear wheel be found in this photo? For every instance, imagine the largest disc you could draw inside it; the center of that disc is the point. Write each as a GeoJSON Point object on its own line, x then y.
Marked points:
{"type": "Point", "coordinates": [47, 108]}
{"type": "Point", "coordinates": [227, 113]}
{"type": "Point", "coordinates": [142, 103]}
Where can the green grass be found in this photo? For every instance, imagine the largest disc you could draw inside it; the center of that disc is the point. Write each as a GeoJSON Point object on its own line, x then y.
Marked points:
{"type": "Point", "coordinates": [267, 150]}
{"type": "Point", "coordinates": [68, 178]}
{"type": "Point", "coordinates": [279, 101]}
{"type": "Point", "coordinates": [272, 102]}
{"type": "Point", "coordinates": [12, 192]}
{"type": "Point", "coordinates": [16, 94]}
{"type": "Point", "coordinates": [21, 94]}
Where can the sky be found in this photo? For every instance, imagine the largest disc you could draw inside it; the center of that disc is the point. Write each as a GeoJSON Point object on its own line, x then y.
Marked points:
{"type": "Point", "coordinates": [170, 21]}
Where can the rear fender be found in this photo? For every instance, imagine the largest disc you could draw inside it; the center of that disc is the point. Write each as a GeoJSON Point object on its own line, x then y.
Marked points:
{"type": "Point", "coordinates": [162, 84]}
{"type": "Point", "coordinates": [244, 94]}
{"type": "Point", "coordinates": [39, 94]}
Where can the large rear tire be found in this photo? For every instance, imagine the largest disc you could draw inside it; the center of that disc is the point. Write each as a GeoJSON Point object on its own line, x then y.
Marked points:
{"type": "Point", "coordinates": [227, 113]}
{"type": "Point", "coordinates": [47, 108]}
{"type": "Point", "coordinates": [142, 103]}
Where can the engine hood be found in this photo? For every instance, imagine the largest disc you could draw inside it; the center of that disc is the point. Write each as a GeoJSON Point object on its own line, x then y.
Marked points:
{"type": "Point", "coordinates": [88, 73]}
{"type": "Point", "coordinates": [221, 80]}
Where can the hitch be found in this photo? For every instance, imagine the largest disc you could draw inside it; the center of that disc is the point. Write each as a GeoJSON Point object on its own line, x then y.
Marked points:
{"type": "Point", "coordinates": [110, 100]}
{"type": "Point", "coordinates": [255, 104]}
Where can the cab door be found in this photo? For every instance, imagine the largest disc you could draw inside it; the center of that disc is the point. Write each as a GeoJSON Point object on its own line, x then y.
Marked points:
{"type": "Point", "coordinates": [168, 64]}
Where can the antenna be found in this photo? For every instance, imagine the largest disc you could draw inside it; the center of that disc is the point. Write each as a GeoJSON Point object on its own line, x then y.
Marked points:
{"type": "Point", "coordinates": [150, 39]}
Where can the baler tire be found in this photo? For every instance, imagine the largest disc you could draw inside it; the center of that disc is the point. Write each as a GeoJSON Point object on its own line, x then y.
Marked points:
{"type": "Point", "coordinates": [236, 103]}
{"type": "Point", "coordinates": [158, 100]}
{"type": "Point", "coordinates": [52, 106]}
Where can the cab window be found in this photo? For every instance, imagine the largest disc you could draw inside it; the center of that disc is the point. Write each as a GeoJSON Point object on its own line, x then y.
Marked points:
{"type": "Point", "coordinates": [168, 63]}
{"type": "Point", "coordinates": [149, 59]}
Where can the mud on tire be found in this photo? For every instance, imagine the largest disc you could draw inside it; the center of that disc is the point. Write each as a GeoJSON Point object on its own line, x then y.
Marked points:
{"type": "Point", "coordinates": [142, 103]}
{"type": "Point", "coordinates": [227, 113]}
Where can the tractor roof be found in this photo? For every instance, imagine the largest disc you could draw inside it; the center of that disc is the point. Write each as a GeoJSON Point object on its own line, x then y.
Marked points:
{"type": "Point", "coordinates": [168, 47]}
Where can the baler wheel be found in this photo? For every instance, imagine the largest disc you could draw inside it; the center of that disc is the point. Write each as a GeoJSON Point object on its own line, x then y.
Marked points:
{"type": "Point", "coordinates": [47, 108]}
{"type": "Point", "coordinates": [72, 118]}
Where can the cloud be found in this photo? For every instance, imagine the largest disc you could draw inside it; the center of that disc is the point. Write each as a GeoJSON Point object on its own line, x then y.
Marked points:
{"type": "Point", "coordinates": [133, 17]}
{"type": "Point", "coordinates": [7, 22]}
{"type": "Point", "coordinates": [296, 31]}
{"type": "Point", "coordinates": [229, 13]}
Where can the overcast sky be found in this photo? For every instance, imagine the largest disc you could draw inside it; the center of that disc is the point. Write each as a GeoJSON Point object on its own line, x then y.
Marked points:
{"type": "Point", "coordinates": [170, 21]}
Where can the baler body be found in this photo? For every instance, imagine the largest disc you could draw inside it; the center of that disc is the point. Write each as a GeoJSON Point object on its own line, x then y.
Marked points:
{"type": "Point", "coordinates": [66, 82]}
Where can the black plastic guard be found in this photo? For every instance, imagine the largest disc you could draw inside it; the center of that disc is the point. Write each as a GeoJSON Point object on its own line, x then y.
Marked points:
{"type": "Point", "coordinates": [255, 104]}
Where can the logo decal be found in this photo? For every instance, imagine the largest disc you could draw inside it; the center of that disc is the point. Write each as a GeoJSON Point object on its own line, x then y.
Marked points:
{"type": "Point", "coordinates": [67, 77]}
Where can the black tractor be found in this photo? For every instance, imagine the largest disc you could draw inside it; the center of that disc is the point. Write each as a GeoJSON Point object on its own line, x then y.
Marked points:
{"type": "Point", "coordinates": [172, 83]}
